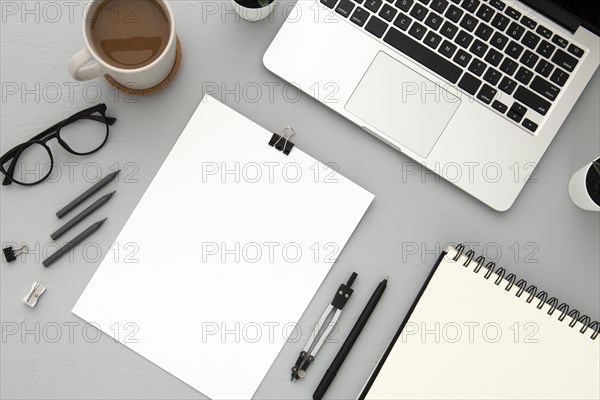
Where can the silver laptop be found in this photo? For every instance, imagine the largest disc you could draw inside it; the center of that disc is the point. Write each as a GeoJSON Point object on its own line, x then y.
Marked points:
{"type": "Point", "coordinates": [474, 90]}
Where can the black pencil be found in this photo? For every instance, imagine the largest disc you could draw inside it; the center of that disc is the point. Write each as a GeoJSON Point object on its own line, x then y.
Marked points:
{"type": "Point", "coordinates": [82, 215]}
{"type": "Point", "coordinates": [82, 197]}
{"type": "Point", "coordinates": [65, 249]}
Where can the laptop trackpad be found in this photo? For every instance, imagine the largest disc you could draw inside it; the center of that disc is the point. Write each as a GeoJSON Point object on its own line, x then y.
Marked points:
{"type": "Point", "coordinates": [403, 104]}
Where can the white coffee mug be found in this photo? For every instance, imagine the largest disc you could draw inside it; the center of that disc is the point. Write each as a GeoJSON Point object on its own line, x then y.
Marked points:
{"type": "Point", "coordinates": [138, 79]}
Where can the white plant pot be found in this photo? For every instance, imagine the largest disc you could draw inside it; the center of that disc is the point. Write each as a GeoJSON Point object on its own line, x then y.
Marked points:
{"type": "Point", "coordinates": [253, 14]}
{"type": "Point", "coordinates": [578, 190]}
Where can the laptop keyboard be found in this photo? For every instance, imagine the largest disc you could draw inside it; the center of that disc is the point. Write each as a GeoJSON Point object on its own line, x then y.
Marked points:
{"type": "Point", "coordinates": [487, 48]}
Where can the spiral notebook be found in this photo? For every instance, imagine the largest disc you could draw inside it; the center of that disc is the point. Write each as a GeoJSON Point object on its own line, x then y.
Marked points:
{"type": "Point", "coordinates": [477, 332]}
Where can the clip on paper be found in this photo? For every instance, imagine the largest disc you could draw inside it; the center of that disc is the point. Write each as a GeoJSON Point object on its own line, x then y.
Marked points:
{"type": "Point", "coordinates": [11, 254]}
{"type": "Point", "coordinates": [34, 294]}
{"type": "Point", "coordinates": [282, 143]}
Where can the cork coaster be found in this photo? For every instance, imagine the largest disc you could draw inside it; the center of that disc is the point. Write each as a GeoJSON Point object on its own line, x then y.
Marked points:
{"type": "Point", "coordinates": [153, 89]}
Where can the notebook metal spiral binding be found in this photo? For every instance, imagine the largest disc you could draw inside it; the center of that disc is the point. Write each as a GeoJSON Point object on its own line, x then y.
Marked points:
{"type": "Point", "coordinates": [532, 291]}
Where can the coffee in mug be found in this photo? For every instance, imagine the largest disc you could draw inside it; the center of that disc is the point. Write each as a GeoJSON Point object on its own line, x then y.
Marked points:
{"type": "Point", "coordinates": [129, 34]}
{"type": "Point", "coordinates": [133, 41]}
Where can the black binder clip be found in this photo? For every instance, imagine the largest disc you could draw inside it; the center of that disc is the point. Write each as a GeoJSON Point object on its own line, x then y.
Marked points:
{"type": "Point", "coordinates": [282, 143]}
{"type": "Point", "coordinates": [11, 254]}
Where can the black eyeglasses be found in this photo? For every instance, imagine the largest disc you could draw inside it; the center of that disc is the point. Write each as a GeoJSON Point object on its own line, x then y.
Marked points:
{"type": "Point", "coordinates": [31, 162]}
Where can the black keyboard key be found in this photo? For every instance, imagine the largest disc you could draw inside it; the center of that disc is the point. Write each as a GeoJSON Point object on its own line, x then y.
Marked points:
{"type": "Point", "coordinates": [449, 30]}
{"type": "Point", "coordinates": [403, 21]}
{"type": "Point", "coordinates": [515, 31]}
{"type": "Point", "coordinates": [528, 22]}
{"type": "Point", "coordinates": [360, 16]}
{"type": "Point", "coordinates": [544, 68]}
{"type": "Point", "coordinates": [485, 13]}
{"type": "Point", "coordinates": [479, 48]}
{"type": "Point", "coordinates": [329, 3]}
{"type": "Point", "coordinates": [447, 49]}
{"type": "Point", "coordinates": [493, 57]}
{"type": "Point", "coordinates": [492, 76]}
{"type": "Point", "coordinates": [345, 8]}
{"type": "Point", "coordinates": [373, 5]}
{"type": "Point", "coordinates": [500, 22]}
{"type": "Point", "coordinates": [376, 26]}
{"type": "Point", "coordinates": [532, 100]}
{"type": "Point", "coordinates": [500, 107]}
{"type": "Point", "coordinates": [417, 31]}
{"type": "Point", "coordinates": [388, 12]}
{"type": "Point", "coordinates": [545, 32]}
{"type": "Point", "coordinates": [509, 67]}
{"type": "Point", "coordinates": [484, 31]}
{"type": "Point", "coordinates": [469, 23]}
{"type": "Point", "coordinates": [432, 40]}
{"type": "Point", "coordinates": [423, 55]}
{"type": "Point", "coordinates": [498, 4]}
{"type": "Point", "coordinates": [576, 51]}
{"type": "Point", "coordinates": [529, 124]}
{"type": "Point", "coordinates": [519, 108]}
{"type": "Point", "coordinates": [477, 67]}
{"type": "Point", "coordinates": [511, 12]}
{"type": "Point", "coordinates": [546, 49]}
{"type": "Point", "coordinates": [499, 41]}
{"type": "Point", "coordinates": [462, 58]}
{"type": "Point", "coordinates": [559, 77]}
{"type": "Point", "coordinates": [454, 13]}
{"type": "Point", "coordinates": [514, 50]}
{"type": "Point", "coordinates": [529, 59]}
{"type": "Point", "coordinates": [507, 85]}
{"type": "Point", "coordinates": [545, 88]}
{"type": "Point", "coordinates": [560, 41]}
{"type": "Point", "coordinates": [419, 12]}
{"type": "Point", "coordinates": [434, 21]}
{"type": "Point", "coordinates": [531, 40]}
{"type": "Point", "coordinates": [524, 75]}
{"type": "Point", "coordinates": [404, 5]}
{"type": "Point", "coordinates": [515, 116]}
{"type": "Point", "coordinates": [487, 94]}
{"type": "Point", "coordinates": [565, 60]}
{"type": "Point", "coordinates": [463, 39]}
{"type": "Point", "coordinates": [439, 6]}
{"type": "Point", "coordinates": [470, 5]}
{"type": "Point", "coordinates": [425, 1]}
{"type": "Point", "coordinates": [469, 83]}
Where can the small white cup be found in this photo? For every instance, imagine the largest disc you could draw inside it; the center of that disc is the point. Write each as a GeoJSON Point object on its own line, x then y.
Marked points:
{"type": "Point", "coordinates": [253, 14]}
{"type": "Point", "coordinates": [138, 79]}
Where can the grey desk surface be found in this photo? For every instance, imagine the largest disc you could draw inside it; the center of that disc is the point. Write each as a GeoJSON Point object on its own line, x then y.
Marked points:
{"type": "Point", "coordinates": [543, 238]}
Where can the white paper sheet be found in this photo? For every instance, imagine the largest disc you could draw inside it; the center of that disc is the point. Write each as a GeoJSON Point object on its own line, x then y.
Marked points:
{"type": "Point", "coordinates": [231, 240]}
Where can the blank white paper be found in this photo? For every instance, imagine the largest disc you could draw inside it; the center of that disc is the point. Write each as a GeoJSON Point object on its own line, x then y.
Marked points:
{"type": "Point", "coordinates": [226, 249]}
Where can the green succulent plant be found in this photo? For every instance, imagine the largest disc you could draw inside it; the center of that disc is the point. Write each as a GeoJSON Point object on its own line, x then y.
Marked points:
{"type": "Point", "coordinates": [596, 165]}
{"type": "Point", "coordinates": [263, 3]}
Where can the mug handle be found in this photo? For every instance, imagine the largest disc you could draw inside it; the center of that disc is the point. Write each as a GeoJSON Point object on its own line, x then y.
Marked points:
{"type": "Point", "coordinates": [81, 73]}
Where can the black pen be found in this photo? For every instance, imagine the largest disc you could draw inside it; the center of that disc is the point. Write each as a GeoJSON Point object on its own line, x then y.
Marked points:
{"type": "Point", "coordinates": [347, 346]}
{"type": "Point", "coordinates": [65, 249]}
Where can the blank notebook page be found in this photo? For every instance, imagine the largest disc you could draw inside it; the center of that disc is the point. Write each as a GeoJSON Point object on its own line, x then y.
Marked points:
{"type": "Point", "coordinates": [470, 338]}
{"type": "Point", "coordinates": [223, 254]}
